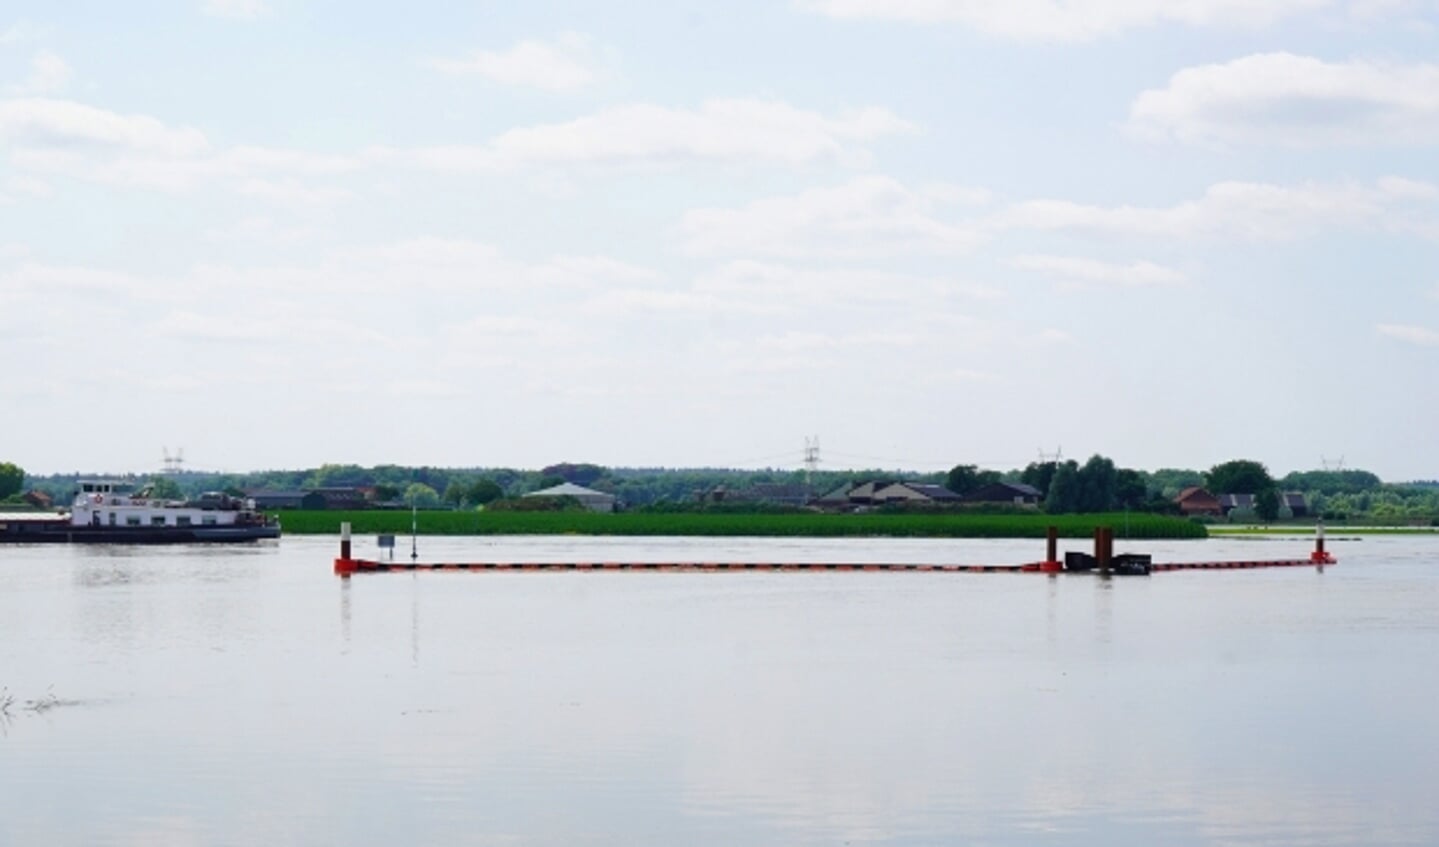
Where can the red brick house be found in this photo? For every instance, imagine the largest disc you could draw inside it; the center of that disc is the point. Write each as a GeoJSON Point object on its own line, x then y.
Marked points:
{"type": "Point", "coordinates": [38, 499]}
{"type": "Point", "coordinates": [1196, 501]}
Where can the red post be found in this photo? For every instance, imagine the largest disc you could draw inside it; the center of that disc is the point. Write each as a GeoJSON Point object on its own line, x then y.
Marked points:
{"type": "Point", "coordinates": [1319, 557]}
{"type": "Point", "coordinates": [1103, 547]}
{"type": "Point", "coordinates": [1051, 563]}
{"type": "Point", "coordinates": [344, 566]}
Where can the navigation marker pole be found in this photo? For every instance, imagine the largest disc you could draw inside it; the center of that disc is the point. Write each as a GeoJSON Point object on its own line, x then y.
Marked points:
{"type": "Point", "coordinates": [1319, 557]}
{"type": "Point", "coordinates": [414, 532]}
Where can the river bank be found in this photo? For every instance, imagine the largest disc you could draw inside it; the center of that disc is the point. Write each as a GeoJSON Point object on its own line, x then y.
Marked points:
{"type": "Point", "coordinates": [802, 525]}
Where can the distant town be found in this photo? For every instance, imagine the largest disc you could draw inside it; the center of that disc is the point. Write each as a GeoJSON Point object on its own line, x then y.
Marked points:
{"type": "Point", "coordinates": [1236, 491]}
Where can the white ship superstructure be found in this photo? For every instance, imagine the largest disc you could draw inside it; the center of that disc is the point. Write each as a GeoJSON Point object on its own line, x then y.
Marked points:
{"type": "Point", "coordinates": [116, 503]}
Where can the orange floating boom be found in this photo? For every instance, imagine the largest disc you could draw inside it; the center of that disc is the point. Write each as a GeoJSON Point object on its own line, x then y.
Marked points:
{"type": "Point", "coordinates": [346, 564]}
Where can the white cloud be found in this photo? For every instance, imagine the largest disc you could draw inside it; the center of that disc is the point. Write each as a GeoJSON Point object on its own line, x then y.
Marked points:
{"type": "Point", "coordinates": [292, 193]}
{"type": "Point", "coordinates": [1296, 101]}
{"type": "Point", "coordinates": [1368, 10]}
{"type": "Point", "coordinates": [425, 388]}
{"type": "Point", "coordinates": [566, 64]}
{"type": "Point", "coordinates": [28, 186]}
{"type": "Point", "coordinates": [1417, 335]}
{"type": "Point", "coordinates": [1081, 270]}
{"type": "Point", "coordinates": [1068, 20]}
{"type": "Point", "coordinates": [260, 230]}
{"type": "Point", "coordinates": [240, 10]}
{"type": "Point", "coordinates": [769, 288]}
{"type": "Point", "coordinates": [1246, 210]}
{"type": "Point", "coordinates": [720, 130]}
{"type": "Point", "coordinates": [803, 350]}
{"type": "Point", "coordinates": [966, 375]}
{"type": "Point", "coordinates": [249, 159]}
{"type": "Point", "coordinates": [631, 302]}
{"type": "Point", "coordinates": [18, 34]}
{"type": "Point", "coordinates": [65, 125]}
{"type": "Point", "coordinates": [48, 74]}
{"type": "Point", "coordinates": [63, 137]}
{"type": "Point", "coordinates": [869, 216]}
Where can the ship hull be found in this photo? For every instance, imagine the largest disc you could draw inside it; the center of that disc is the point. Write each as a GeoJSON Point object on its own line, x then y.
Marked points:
{"type": "Point", "coordinates": [64, 533]}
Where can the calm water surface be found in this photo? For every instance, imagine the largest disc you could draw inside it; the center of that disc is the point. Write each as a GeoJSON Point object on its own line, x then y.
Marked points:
{"type": "Point", "coordinates": [245, 695]}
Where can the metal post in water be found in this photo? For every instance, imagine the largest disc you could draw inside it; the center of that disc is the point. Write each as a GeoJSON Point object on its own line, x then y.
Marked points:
{"type": "Point", "coordinates": [1103, 547]}
{"type": "Point", "coordinates": [414, 532]}
{"type": "Point", "coordinates": [1051, 550]}
{"type": "Point", "coordinates": [344, 565]}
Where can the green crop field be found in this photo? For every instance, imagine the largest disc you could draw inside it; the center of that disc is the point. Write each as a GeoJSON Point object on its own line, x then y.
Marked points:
{"type": "Point", "coordinates": [791, 525]}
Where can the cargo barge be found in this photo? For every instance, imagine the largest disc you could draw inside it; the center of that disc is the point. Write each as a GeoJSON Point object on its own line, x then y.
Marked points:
{"type": "Point", "coordinates": [114, 512]}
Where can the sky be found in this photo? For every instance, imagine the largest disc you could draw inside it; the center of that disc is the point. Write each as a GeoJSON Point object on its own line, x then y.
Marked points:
{"type": "Point", "coordinates": [282, 233]}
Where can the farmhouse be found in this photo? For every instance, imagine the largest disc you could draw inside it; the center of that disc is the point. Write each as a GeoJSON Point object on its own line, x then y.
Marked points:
{"type": "Point", "coordinates": [1194, 500]}
{"type": "Point", "coordinates": [1236, 503]}
{"type": "Point", "coordinates": [268, 500]}
{"type": "Point", "coordinates": [1017, 493]}
{"type": "Point", "coordinates": [881, 492]}
{"type": "Point", "coordinates": [915, 492]}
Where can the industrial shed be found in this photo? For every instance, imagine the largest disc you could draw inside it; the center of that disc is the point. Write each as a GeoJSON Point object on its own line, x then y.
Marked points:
{"type": "Point", "coordinates": [595, 501]}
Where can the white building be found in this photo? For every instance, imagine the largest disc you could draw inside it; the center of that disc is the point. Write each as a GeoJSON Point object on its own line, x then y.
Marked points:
{"type": "Point", "coordinates": [595, 501]}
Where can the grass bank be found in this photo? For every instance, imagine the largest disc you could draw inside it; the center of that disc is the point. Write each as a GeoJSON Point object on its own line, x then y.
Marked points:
{"type": "Point", "coordinates": [1331, 530]}
{"type": "Point", "coordinates": [787, 525]}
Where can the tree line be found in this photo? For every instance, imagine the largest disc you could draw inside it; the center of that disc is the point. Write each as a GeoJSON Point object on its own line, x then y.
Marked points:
{"type": "Point", "coordinates": [1096, 485]}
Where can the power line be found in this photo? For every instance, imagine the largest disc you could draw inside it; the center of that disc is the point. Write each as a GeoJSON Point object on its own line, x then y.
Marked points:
{"type": "Point", "coordinates": [811, 458]}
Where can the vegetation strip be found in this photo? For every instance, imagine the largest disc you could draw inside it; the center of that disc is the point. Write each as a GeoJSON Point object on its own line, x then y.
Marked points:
{"type": "Point", "coordinates": [1288, 531]}
{"type": "Point", "coordinates": [763, 525]}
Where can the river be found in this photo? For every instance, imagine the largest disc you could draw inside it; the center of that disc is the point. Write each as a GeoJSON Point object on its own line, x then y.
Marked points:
{"type": "Point", "coordinates": [246, 696]}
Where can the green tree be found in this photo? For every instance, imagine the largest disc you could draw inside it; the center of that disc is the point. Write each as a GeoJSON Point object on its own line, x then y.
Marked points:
{"type": "Point", "coordinates": [454, 493]}
{"type": "Point", "coordinates": [338, 476]}
{"type": "Point", "coordinates": [164, 488]}
{"type": "Point", "coordinates": [1266, 504]}
{"type": "Point", "coordinates": [1171, 481]}
{"type": "Point", "coordinates": [580, 474]}
{"type": "Point", "coordinates": [1038, 474]}
{"type": "Point", "coordinates": [1096, 485]}
{"type": "Point", "coordinates": [1063, 495]}
{"type": "Point", "coordinates": [1331, 482]}
{"type": "Point", "coordinates": [963, 479]}
{"type": "Point", "coordinates": [483, 491]}
{"type": "Point", "coordinates": [1130, 492]}
{"type": "Point", "coordinates": [421, 496]}
{"type": "Point", "coordinates": [1240, 476]}
{"type": "Point", "coordinates": [12, 479]}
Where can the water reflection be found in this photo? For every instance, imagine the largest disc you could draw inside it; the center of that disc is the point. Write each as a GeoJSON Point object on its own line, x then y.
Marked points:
{"type": "Point", "coordinates": [345, 613]}
{"type": "Point", "coordinates": [749, 708]}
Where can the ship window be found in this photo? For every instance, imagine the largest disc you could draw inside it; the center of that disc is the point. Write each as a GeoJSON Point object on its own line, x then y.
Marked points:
{"type": "Point", "coordinates": [208, 520]}
{"type": "Point", "coordinates": [182, 520]}
{"type": "Point", "coordinates": [157, 520]}
{"type": "Point", "coordinates": [132, 520]}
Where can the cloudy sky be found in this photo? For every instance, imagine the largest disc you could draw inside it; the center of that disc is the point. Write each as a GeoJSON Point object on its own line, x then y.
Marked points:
{"type": "Point", "coordinates": [279, 233]}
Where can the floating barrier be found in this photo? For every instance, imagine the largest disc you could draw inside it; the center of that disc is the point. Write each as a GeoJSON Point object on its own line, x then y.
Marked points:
{"type": "Point", "coordinates": [1103, 562]}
